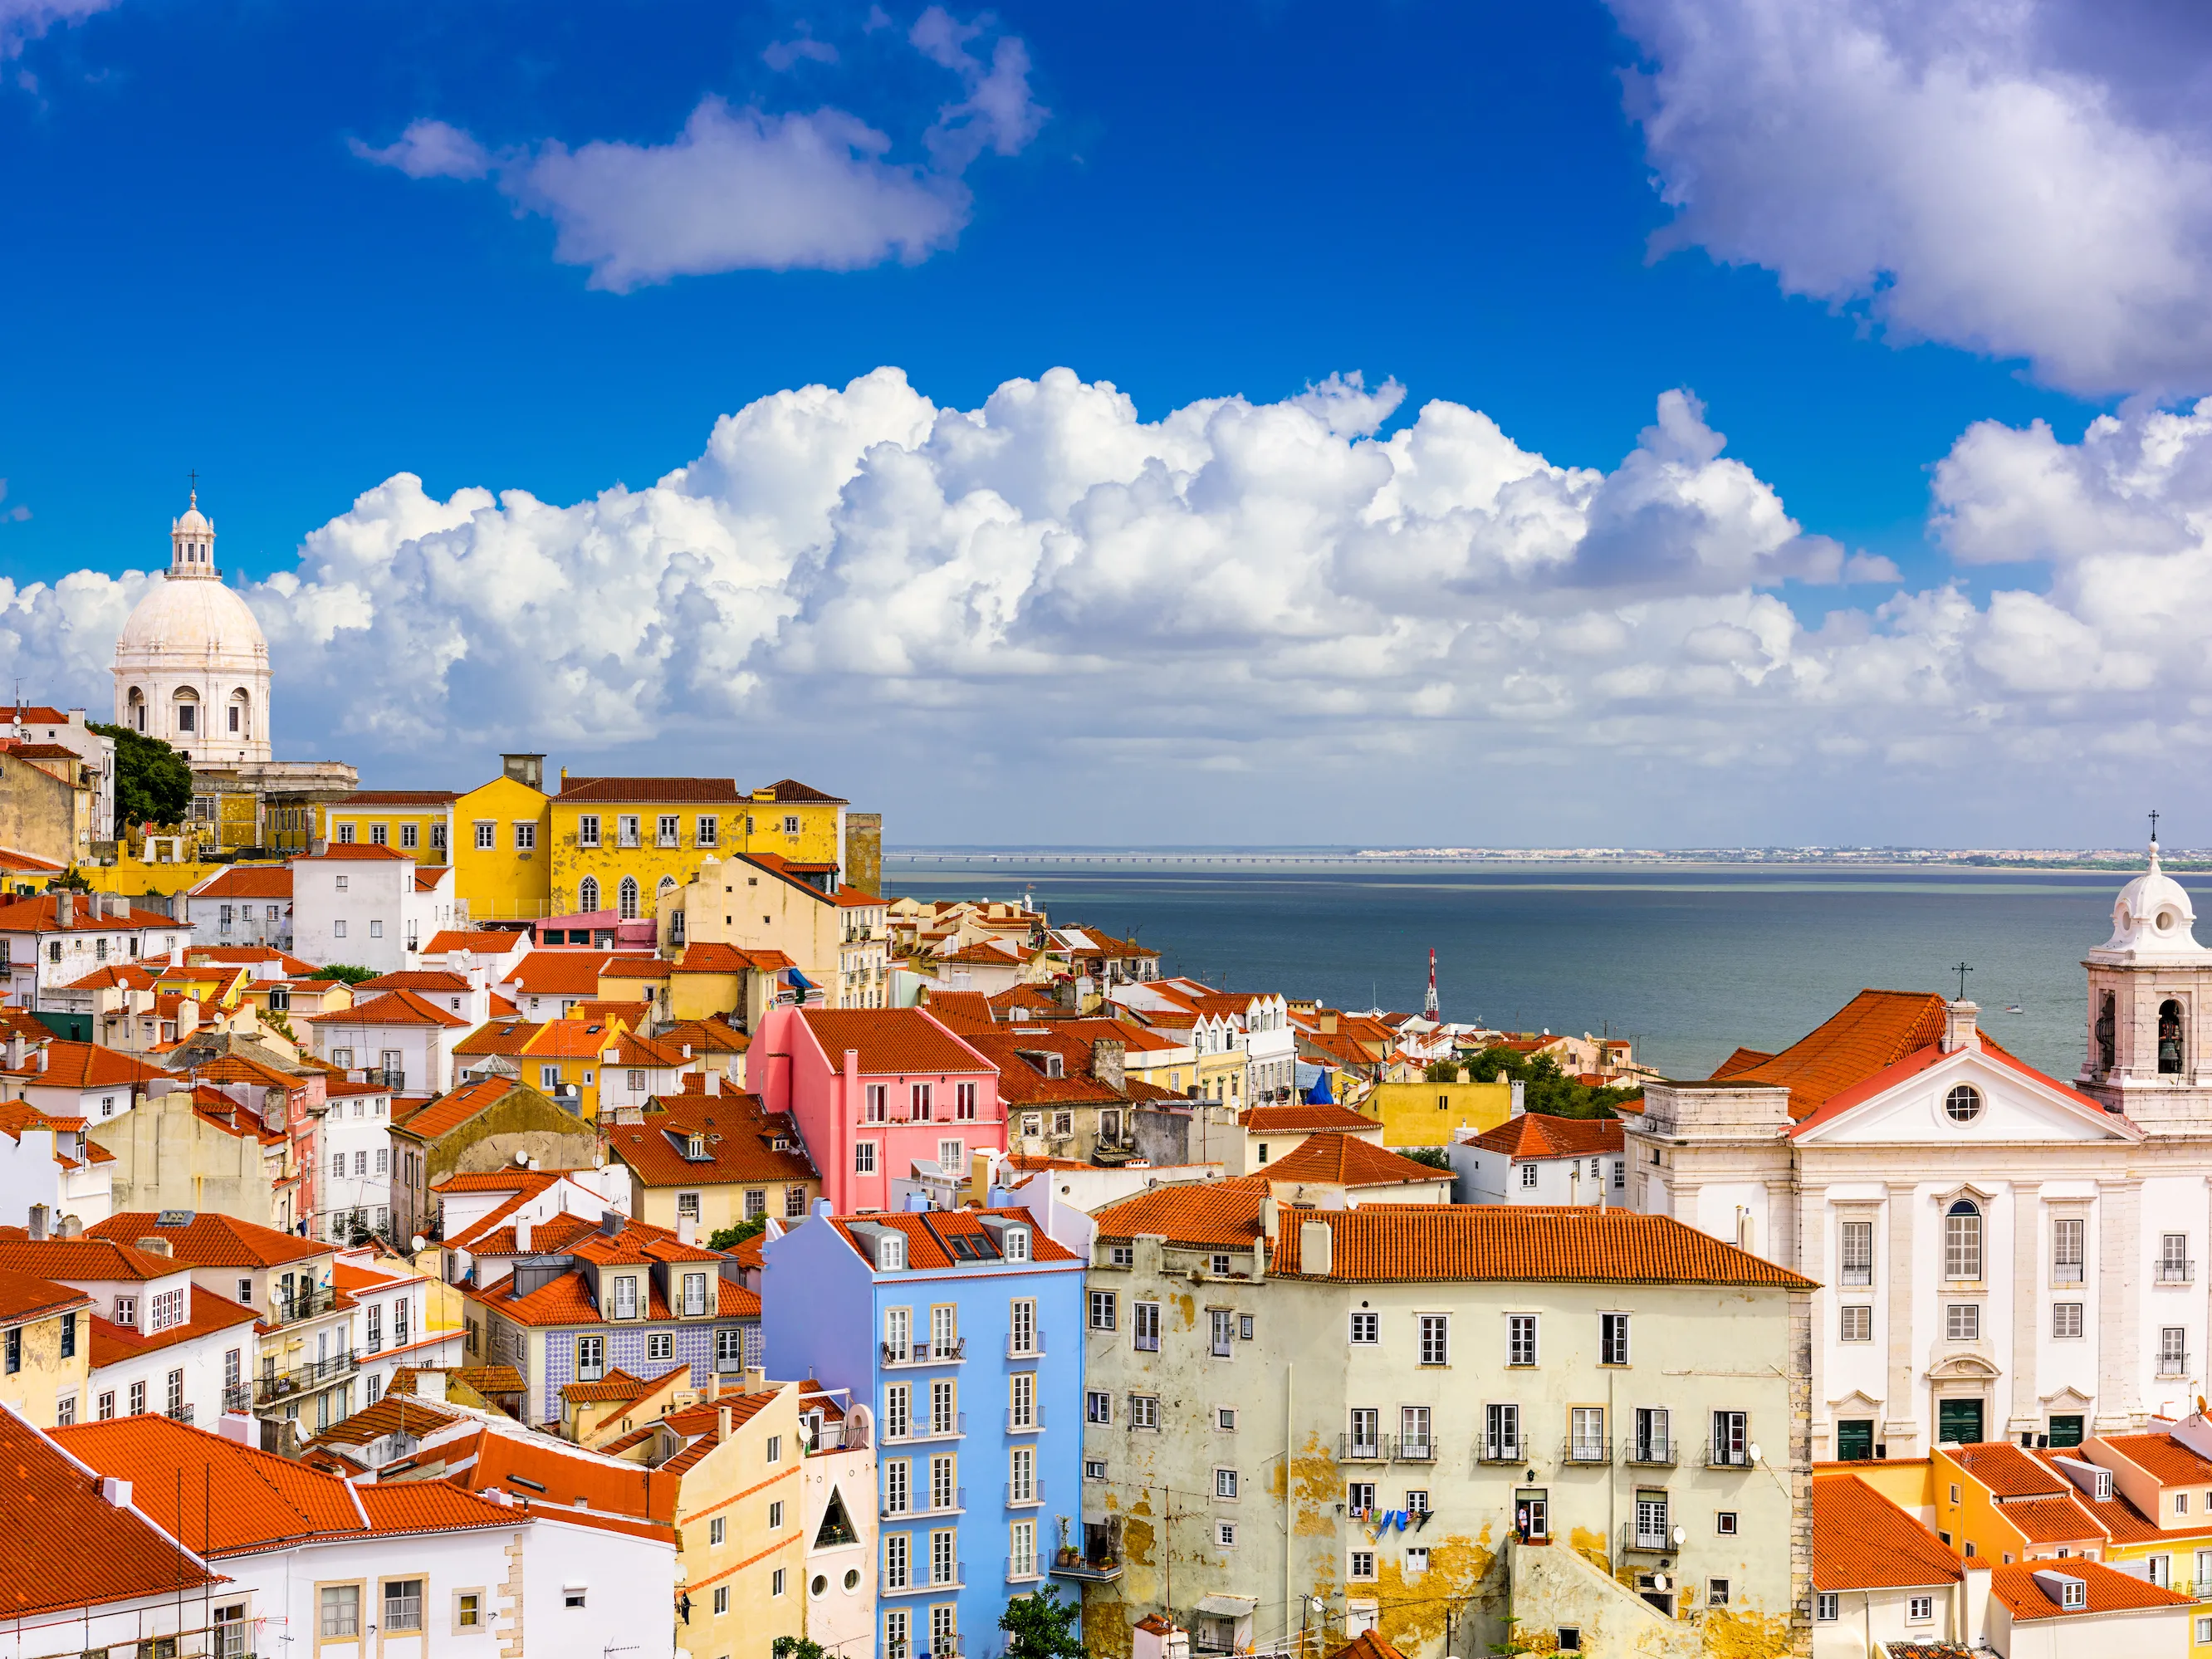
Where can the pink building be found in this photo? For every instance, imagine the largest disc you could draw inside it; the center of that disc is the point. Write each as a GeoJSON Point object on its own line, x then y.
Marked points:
{"type": "Point", "coordinates": [892, 1106]}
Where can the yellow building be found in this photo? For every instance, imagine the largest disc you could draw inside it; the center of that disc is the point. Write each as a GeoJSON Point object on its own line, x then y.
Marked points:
{"type": "Point", "coordinates": [715, 1161]}
{"type": "Point", "coordinates": [627, 844]}
{"type": "Point", "coordinates": [48, 1340]}
{"type": "Point", "coordinates": [417, 822]}
{"type": "Point", "coordinates": [563, 1057]}
{"type": "Point", "coordinates": [1431, 1114]}
{"type": "Point", "coordinates": [502, 845]}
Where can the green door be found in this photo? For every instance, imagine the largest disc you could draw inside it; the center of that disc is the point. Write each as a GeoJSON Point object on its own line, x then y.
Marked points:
{"type": "Point", "coordinates": [1855, 1438]}
{"type": "Point", "coordinates": [1959, 1422]}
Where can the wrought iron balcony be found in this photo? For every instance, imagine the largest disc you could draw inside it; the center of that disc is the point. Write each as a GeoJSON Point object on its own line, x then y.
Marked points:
{"type": "Point", "coordinates": [2176, 1273]}
{"type": "Point", "coordinates": [1654, 1453]}
{"type": "Point", "coordinates": [1363, 1447]}
{"type": "Point", "coordinates": [1022, 1496]}
{"type": "Point", "coordinates": [1724, 1456]}
{"type": "Point", "coordinates": [1574, 1450]}
{"type": "Point", "coordinates": [285, 1310]}
{"type": "Point", "coordinates": [273, 1385]}
{"type": "Point", "coordinates": [1502, 1451]}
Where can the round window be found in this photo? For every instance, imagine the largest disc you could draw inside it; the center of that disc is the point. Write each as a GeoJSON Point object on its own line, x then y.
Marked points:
{"type": "Point", "coordinates": [2166, 920]}
{"type": "Point", "coordinates": [852, 1578]}
{"type": "Point", "coordinates": [820, 1586]}
{"type": "Point", "coordinates": [1964, 1104]}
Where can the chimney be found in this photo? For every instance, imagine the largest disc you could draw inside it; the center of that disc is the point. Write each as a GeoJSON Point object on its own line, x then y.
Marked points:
{"type": "Point", "coordinates": [154, 1246]}
{"type": "Point", "coordinates": [713, 1081]}
{"type": "Point", "coordinates": [1959, 1029]}
{"type": "Point", "coordinates": [1271, 1216]}
{"type": "Point", "coordinates": [65, 908]}
{"type": "Point", "coordinates": [1520, 1098]}
{"type": "Point", "coordinates": [1329, 1022]}
{"type": "Point", "coordinates": [1317, 1248]}
{"type": "Point", "coordinates": [69, 1227]}
{"type": "Point", "coordinates": [522, 1236]}
{"type": "Point", "coordinates": [116, 1492]}
{"type": "Point", "coordinates": [721, 1422]}
{"type": "Point", "coordinates": [1107, 1055]}
{"type": "Point", "coordinates": [610, 1223]}
{"type": "Point", "coordinates": [241, 1426]}
{"type": "Point", "coordinates": [38, 1223]}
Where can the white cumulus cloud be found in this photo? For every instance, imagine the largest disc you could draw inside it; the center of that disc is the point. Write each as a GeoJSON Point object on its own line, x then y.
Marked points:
{"type": "Point", "coordinates": [2026, 178]}
{"type": "Point", "coordinates": [742, 189]}
{"type": "Point", "coordinates": [25, 21]}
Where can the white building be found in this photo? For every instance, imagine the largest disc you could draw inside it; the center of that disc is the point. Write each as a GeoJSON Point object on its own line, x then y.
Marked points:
{"type": "Point", "coordinates": [1533, 1159]}
{"type": "Point", "coordinates": [248, 904]}
{"type": "Point", "coordinates": [2000, 1255]}
{"type": "Point", "coordinates": [57, 938]}
{"type": "Point", "coordinates": [399, 1040]}
{"type": "Point", "coordinates": [49, 1167]}
{"type": "Point", "coordinates": [368, 906]}
{"type": "Point", "coordinates": [392, 1327]}
{"type": "Point", "coordinates": [354, 1142]}
{"type": "Point", "coordinates": [35, 723]}
{"type": "Point", "coordinates": [191, 667]}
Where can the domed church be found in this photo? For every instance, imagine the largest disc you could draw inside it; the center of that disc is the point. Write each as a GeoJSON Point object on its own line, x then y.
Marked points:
{"type": "Point", "coordinates": [191, 668]}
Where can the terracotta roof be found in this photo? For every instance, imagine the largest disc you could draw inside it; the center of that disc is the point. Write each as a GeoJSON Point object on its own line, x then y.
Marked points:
{"type": "Point", "coordinates": [393, 798]}
{"type": "Point", "coordinates": [449, 1111]}
{"type": "Point", "coordinates": [417, 979]}
{"type": "Point", "coordinates": [927, 1232]}
{"type": "Point", "coordinates": [891, 1040]}
{"type": "Point", "coordinates": [559, 973]}
{"type": "Point", "coordinates": [2008, 1472]}
{"type": "Point", "coordinates": [208, 1240]}
{"type": "Point", "coordinates": [1366, 1645]}
{"type": "Point", "coordinates": [2107, 1591]}
{"type": "Point", "coordinates": [705, 1036]}
{"type": "Point", "coordinates": [353, 851]}
{"type": "Point", "coordinates": [1533, 1136]}
{"type": "Point", "coordinates": [1343, 1160]}
{"type": "Point", "coordinates": [1872, 1031]}
{"type": "Point", "coordinates": [25, 863]}
{"type": "Point", "coordinates": [104, 1260]}
{"type": "Point", "coordinates": [1743, 1059]}
{"type": "Point", "coordinates": [646, 1053]}
{"type": "Point", "coordinates": [1303, 1117]}
{"type": "Point", "coordinates": [480, 942]}
{"type": "Point", "coordinates": [112, 1344]}
{"type": "Point", "coordinates": [617, 1385]}
{"type": "Point", "coordinates": [83, 1066]}
{"type": "Point", "coordinates": [669, 791]}
{"type": "Point", "coordinates": [498, 1036]}
{"type": "Point", "coordinates": [25, 1296]}
{"type": "Point", "coordinates": [1024, 1082]}
{"type": "Point", "coordinates": [738, 1138]}
{"type": "Point", "coordinates": [248, 881]}
{"type": "Point", "coordinates": [2164, 1459]}
{"type": "Point", "coordinates": [74, 1549]}
{"type": "Point", "coordinates": [569, 1039]}
{"type": "Point", "coordinates": [1861, 1541]}
{"type": "Point", "coordinates": [392, 1008]}
{"type": "Point", "coordinates": [401, 1506]}
{"type": "Point", "coordinates": [127, 975]}
{"type": "Point", "coordinates": [249, 955]}
{"type": "Point", "coordinates": [791, 789]}
{"type": "Point", "coordinates": [395, 1413]}
{"type": "Point", "coordinates": [557, 1475]}
{"type": "Point", "coordinates": [854, 898]}
{"type": "Point", "coordinates": [715, 958]}
{"type": "Point", "coordinates": [637, 968]}
{"type": "Point", "coordinates": [489, 1381]}
{"type": "Point", "coordinates": [963, 1012]}
{"type": "Point", "coordinates": [2050, 1521]}
{"type": "Point", "coordinates": [235, 1498]}
{"type": "Point", "coordinates": [2122, 1522]}
{"type": "Point", "coordinates": [36, 915]}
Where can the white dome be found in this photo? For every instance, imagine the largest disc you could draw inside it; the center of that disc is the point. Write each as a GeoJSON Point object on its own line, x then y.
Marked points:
{"type": "Point", "coordinates": [2152, 918]}
{"type": "Point", "coordinates": [192, 624]}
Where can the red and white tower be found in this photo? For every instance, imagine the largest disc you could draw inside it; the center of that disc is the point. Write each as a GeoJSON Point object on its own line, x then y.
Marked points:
{"type": "Point", "coordinates": [1430, 1006]}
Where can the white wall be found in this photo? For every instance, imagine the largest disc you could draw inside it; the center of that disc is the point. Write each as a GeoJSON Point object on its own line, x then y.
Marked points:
{"type": "Point", "coordinates": [363, 921]}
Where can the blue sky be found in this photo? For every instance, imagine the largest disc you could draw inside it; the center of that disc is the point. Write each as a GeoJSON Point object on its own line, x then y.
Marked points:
{"type": "Point", "coordinates": [222, 260]}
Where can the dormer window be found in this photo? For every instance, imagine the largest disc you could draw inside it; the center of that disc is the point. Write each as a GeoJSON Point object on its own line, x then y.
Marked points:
{"type": "Point", "coordinates": [1016, 1245]}
{"type": "Point", "coordinates": [696, 1147]}
{"type": "Point", "coordinates": [2074, 1593]}
{"type": "Point", "coordinates": [890, 1253]}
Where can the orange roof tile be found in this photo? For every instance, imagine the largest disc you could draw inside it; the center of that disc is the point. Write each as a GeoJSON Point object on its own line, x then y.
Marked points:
{"type": "Point", "coordinates": [963, 1012]}
{"type": "Point", "coordinates": [738, 1143]}
{"type": "Point", "coordinates": [392, 1008]}
{"type": "Point", "coordinates": [498, 1036]}
{"type": "Point", "coordinates": [2007, 1471]}
{"type": "Point", "coordinates": [2107, 1591]}
{"type": "Point", "coordinates": [569, 1039]}
{"type": "Point", "coordinates": [112, 1344]}
{"type": "Point", "coordinates": [449, 1111]}
{"type": "Point", "coordinates": [704, 1036]}
{"type": "Point", "coordinates": [791, 789]}
{"type": "Point", "coordinates": [547, 1475]}
{"type": "Point", "coordinates": [403, 1506]}
{"type": "Point", "coordinates": [1303, 1117]}
{"type": "Point", "coordinates": [352, 851]}
{"type": "Point", "coordinates": [1525, 1243]}
{"type": "Point", "coordinates": [1872, 1031]}
{"type": "Point", "coordinates": [1343, 1160]}
{"type": "Point", "coordinates": [2164, 1459]}
{"type": "Point", "coordinates": [2050, 1521]}
{"type": "Point", "coordinates": [927, 1231]}
{"type": "Point", "coordinates": [208, 1240]}
{"type": "Point", "coordinates": [24, 1296]}
{"type": "Point", "coordinates": [236, 1498]}
{"type": "Point", "coordinates": [891, 1040]}
{"type": "Point", "coordinates": [1532, 1136]}
{"type": "Point", "coordinates": [624, 792]}
{"type": "Point", "coordinates": [248, 881]}
{"type": "Point", "coordinates": [1861, 1541]}
{"type": "Point", "coordinates": [559, 973]}
{"type": "Point", "coordinates": [106, 1259]}
{"type": "Point", "coordinates": [73, 1548]}
{"type": "Point", "coordinates": [82, 1065]}
{"type": "Point", "coordinates": [481, 942]}
{"type": "Point", "coordinates": [36, 915]}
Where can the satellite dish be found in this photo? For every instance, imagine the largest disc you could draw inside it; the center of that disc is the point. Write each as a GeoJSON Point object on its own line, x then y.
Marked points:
{"type": "Point", "coordinates": [521, 1155]}
{"type": "Point", "coordinates": [1753, 1449]}
{"type": "Point", "coordinates": [1680, 1534]}
{"type": "Point", "coordinates": [420, 1244]}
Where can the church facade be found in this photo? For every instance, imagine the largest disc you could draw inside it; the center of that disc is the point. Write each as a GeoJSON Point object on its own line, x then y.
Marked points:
{"type": "Point", "coordinates": [2000, 1255]}
{"type": "Point", "coordinates": [191, 668]}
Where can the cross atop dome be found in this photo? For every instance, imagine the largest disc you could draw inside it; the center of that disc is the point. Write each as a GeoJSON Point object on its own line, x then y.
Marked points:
{"type": "Point", "coordinates": [191, 542]}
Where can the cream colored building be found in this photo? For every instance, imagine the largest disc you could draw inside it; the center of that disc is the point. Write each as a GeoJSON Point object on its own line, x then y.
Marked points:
{"type": "Point", "coordinates": [1356, 1418]}
{"type": "Point", "coordinates": [2001, 1255]}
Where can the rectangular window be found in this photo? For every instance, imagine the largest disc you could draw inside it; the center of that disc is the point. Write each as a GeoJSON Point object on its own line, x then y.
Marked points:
{"type": "Point", "coordinates": [345, 835]}
{"type": "Point", "coordinates": [2174, 1258]}
{"type": "Point", "coordinates": [1094, 1469]}
{"type": "Point", "coordinates": [1613, 1339]}
{"type": "Point", "coordinates": [1501, 1442]}
{"type": "Point", "coordinates": [1021, 1400]}
{"type": "Point", "coordinates": [1021, 1327]}
{"type": "Point", "coordinates": [1366, 1330]}
{"type": "Point", "coordinates": [1363, 1564]}
{"type": "Point", "coordinates": [1102, 1310]}
{"type": "Point", "coordinates": [1731, 1440]}
{"type": "Point", "coordinates": [895, 1489]}
{"type": "Point", "coordinates": [587, 829]}
{"type": "Point", "coordinates": [722, 1598]}
{"type": "Point", "coordinates": [340, 1611]}
{"type": "Point", "coordinates": [1586, 1434]}
{"type": "Point", "coordinates": [875, 1097]}
{"type": "Point", "coordinates": [1097, 1405]}
{"type": "Point", "coordinates": [897, 1411]}
{"type": "Point", "coordinates": [951, 1155]}
{"type": "Point", "coordinates": [1144, 1326]}
{"type": "Point", "coordinates": [378, 834]}
{"type": "Point", "coordinates": [756, 1204]}
{"type": "Point", "coordinates": [1716, 1592]}
{"type": "Point", "coordinates": [2172, 1351]}
{"type": "Point", "coordinates": [410, 836]}
{"type": "Point", "coordinates": [2065, 1319]}
{"type": "Point", "coordinates": [626, 828]}
{"type": "Point", "coordinates": [1529, 1175]}
{"type": "Point", "coordinates": [710, 829]}
{"type": "Point", "coordinates": [1520, 1338]}
{"type": "Point", "coordinates": [919, 1101]}
{"type": "Point", "coordinates": [943, 1558]}
{"type": "Point", "coordinates": [943, 1416]}
{"type": "Point", "coordinates": [1962, 1243]}
{"type": "Point", "coordinates": [1858, 1323]}
{"type": "Point", "coordinates": [1436, 1340]}
{"type": "Point", "coordinates": [526, 835]}
{"type": "Point", "coordinates": [591, 1358]}
{"type": "Point", "coordinates": [487, 835]}
{"type": "Point", "coordinates": [1828, 1607]}
{"type": "Point", "coordinates": [776, 1512]}
{"type": "Point", "coordinates": [1225, 1535]}
{"type": "Point", "coordinates": [626, 1297]}
{"type": "Point", "coordinates": [1144, 1410]}
{"type": "Point", "coordinates": [1366, 1438]}
{"type": "Point", "coordinates": [1651, 1532]}
{"type": "Point", "coordinates": [671, 830]}
{"type": "Point", "coordinates": [1021, 1550]}
{"type": "Point", "coordinates": [963, 1100]}
{"type": "Point", "coordinates": [894, 1560]}
{"type": "Point", "coordinates": [1919, 1609]}
{"type": "Point", "coordinates": [1225, 1483]}
{"type": "Point", "coordinates": [1021, 1474]}
{"type": "Point", "coordinates": [403, 1605]}
{"type": "Point", "coordinates": [1223, 1322]}
{"type": "Point", "coordinates": [864, 1158]}
{"type": "Point", "coordinates": [1413, 1440]}
{"type": "Point", "coordinates": [1962, 1322]}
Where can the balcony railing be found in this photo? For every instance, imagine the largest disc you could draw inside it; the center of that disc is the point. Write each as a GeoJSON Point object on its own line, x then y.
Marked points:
{"type": "Point", "coordinates": [1724, 1456]}
{"type": "Point", "coordinates": [179, 1414]}
{"type": "Point", "coordinates": [947, 1647]}
{"type": "Point", "coordinates": [1635, 1539]}
{"type": "Point", "coordinates": [1100, 1569]}
{"type": "Point", "coordinates": [1411, 1451]}
{"type": "Point", "coordinates": [1025, 1495]}
{"type": "Point", "coordinates": [302, 1304]}
{"type": "Point", "coordinates": [237, 1398]}
{"type": "Point", "coordinates": [2066, 1273]}
{"type": "Point", "coordinates": [924, 1353]}
{"type": "Point", "coordinates": [276, 1385]}
{"type": "Point", "coordinates": [1502, 1451]}
{"type": "Point", "coordinates": [918, 1431]}
{"type": "Point", "coordinates": [1034, 1351]}
{"type": "Point", "coordinates": [1572, 1450]}
{"type": "Point", "coordinates": [2174, 1365]}
{"type": "Point", "coordinates": [1024, 1419]}
{"type": "Point", "coordinates": [1656, 1453]}
{"type": "Point", "coordinates": [1363, 1447]}
{"type": "Point", "coordinates": [2176, 1273]}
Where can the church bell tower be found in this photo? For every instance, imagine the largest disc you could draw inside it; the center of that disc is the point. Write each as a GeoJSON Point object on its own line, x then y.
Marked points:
{"type": "Point", "coordinates": [2150, 1010]}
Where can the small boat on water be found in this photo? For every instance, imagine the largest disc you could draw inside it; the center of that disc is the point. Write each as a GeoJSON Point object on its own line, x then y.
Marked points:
{"type": "Point", "coordinates": [2012, 1008]}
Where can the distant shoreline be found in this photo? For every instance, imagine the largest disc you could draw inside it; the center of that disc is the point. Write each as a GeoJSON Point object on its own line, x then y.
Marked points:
{"type": "Point", "coordinates": [1871, 860]}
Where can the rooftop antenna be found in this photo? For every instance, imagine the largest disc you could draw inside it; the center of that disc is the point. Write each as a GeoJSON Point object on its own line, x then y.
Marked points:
{"type": "Point", "coordinates": [1430, 1006]}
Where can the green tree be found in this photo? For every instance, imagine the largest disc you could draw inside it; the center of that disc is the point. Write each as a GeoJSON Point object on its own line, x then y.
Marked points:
{"type": "Point", "coordinates": [1442, 1070]}
{"type": "Point", "coordinates": [728, 1238]}
{"type": "Point", "coordinates": [1434, 1156]}
{"type": "Point", "coordinates": [351, 973]}
{"type": "Point", "coordinates": [797, 1647]}
{"type": "Point", "coordinates": [1044, 1627]}
{"type": "Point", "coordinates": [1546, 1089]}
{"type": "Point", "coordinates": [153, 785]}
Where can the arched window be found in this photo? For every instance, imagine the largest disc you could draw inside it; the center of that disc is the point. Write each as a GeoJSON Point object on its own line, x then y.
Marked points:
{"type": "Point", "coordinates": [2169, 1038]}
{"type": "Point", "coordinates": [588, 893]}
{"type": "Point", "coordinates": [660, 893]}
{"type": "Point", "coordinates": [1963, 1105]}
{"type": "Point", "coordinates": [629, 903]}
{"type": "Point", "coordinates": [188, 713]}
{"type": "Point", "coordinates": [134, 710]}
{"type": "Point", "coordinates": [2107, 1027]}
{"type": "Point", "coordinates": [1962, 1241]}
{"type": "Point", "coordinates": [241, 715]}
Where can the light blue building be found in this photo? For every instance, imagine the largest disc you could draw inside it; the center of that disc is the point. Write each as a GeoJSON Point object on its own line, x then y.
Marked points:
{"type": "Point", "coordinates": [965, 1329]}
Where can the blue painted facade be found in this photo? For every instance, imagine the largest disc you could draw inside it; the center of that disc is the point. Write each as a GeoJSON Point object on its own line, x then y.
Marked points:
{"type": "Point", "coordinates": [829, 1310]}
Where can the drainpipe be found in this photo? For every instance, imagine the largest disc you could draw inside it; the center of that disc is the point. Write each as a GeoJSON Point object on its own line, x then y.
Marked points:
{"type": "Point", "coordinates": [1290, 1485]}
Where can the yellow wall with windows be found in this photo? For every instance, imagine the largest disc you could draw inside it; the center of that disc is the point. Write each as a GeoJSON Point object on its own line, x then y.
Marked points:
{"type": "Point", "coordinates": [45, 1375]}
{"type": "Point", "coordinates": [769, 827]}
{"type": "Point", "coordinates": [1428, 1113]}
{"type": "Point", "coordinates": [504, 881]}
{"type": "Point", "coordinates": [740, 1485]}
{"type": "Point", "coordinates": [595, 848]}
{"type": "Point", "coordinates": [428, 825]}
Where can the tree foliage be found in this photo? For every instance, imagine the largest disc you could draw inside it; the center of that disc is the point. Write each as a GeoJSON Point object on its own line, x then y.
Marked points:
{"type": "Point", "coordinates": [1545, 1089]}
{"type": "Point", "coordinates": [153, 784]}
{"type": "Point", "coordinates": [797, 1647]}
{"type": "Point", "coordinates": [1434, 1156]}
{"type": "Point", "coordinates": [351, 973]}
{"type": "Point", "coordinates": [1044, 1627]}
{"type": "Point", "coordinates": [728, 1238]}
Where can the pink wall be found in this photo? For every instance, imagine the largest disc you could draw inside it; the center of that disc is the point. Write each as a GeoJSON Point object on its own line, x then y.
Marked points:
{"type": "Point", "coordinates": [826, 1096]}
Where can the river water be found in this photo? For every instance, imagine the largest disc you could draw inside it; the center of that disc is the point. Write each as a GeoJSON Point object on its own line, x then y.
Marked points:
{"type": "Point", "coordinates": [1689, 961]}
